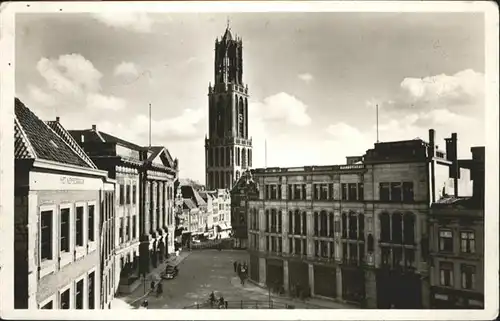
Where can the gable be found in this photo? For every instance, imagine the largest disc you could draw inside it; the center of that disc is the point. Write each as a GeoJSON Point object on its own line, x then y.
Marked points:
{"type": "Point", "coordinates": [163, 158]}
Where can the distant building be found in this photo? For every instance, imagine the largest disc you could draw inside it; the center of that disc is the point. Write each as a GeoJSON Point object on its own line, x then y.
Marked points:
{"type": "Point", "coordinates": [59, 198]}
{"type": "Point", "coordinates": [457, 243]}
{"type": "Point", "coordinates": [208, 220]}
{"type": "Point", "coordinates": [228, 148]}
{"type": "Point", "coordinates": [221, 215]}
{"type": "Point", "coordinates": [194, 212]}
{"type": "Point", "coordinates": [244, 191]}
{"type": "Point", "coordinates": [355, 232]}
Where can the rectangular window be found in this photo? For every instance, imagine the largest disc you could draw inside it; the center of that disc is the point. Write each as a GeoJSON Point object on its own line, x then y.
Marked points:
{"type": "Point", "coordinates": [304, 195]}
{"type": "Point", "coordinates": [324, 192]}
{"type": "Point", "coordinates": [121, 230]}
{"type": "Point", "coordinates": [267, 244]}
{"type": "Point", "coordinates": [79, 226]}
{"type": "Point", "coordinates": [361, 192]}
{"type": "Point", "coordinates": [91, 292]}
{"type": "Point", "coordinates": [279, 192]}
{"type": "Point", "coordinates": [134, 194]}
{"type": "Point", "coordinates": [122, 194]}
{"type": "Point", "coordinates": [273, 192]}
{"type": "Point", "coordinates": [446, 273]}
{"type": "Point", "coordinates": [91, 223]}
{"type": "Point", "coordinates": [468, 277]}
{"type": "Point", "coordinates": [65, 300]}
{"type": "Point", "coordinates": [408, 192]}
{"type": "Point", "coordinates": [64, 238]}
{"type": "Point", "coordinates": [290, 192]}
{"type": "Point", "coordinates": [127, 229]}
{"type": "Point", "coordinates": [46, 235]}
{"type": "Point", "coordinates": [344, 192]}
{"type": "Point", "coordinates": [304, 247]}
{"type": "Point", "coordinates": [79, 295]}
{"type": "Point", "coordinates": [467, 242]}
{"type": "Point", "coordinates": [445, 240]}
{"type": "Point", "coordinates": [304, 223]}
{"type": "Point", "coordinates": [396, 190]}
{"type": "Point", "coordinates": [324, 249]}
{"type": "Point", "coordinates": [384, 191]}
{"type": "Point", "coordinates": [352, 192]}
{"type": "Point", "coordinates": [330, 191]}
{"type": "Point", "coordinates": [128, 194]}
{"type": "Point", "coordinates": [337, 226]}
{"type": "Point", "coordinates": [316, 191]}
{"type": "Point", "coordinates": [316, 248]}
{"type": "Point", "coordinates": [48, 306]}
{"type": "Point", "coordinates": [290, 245]}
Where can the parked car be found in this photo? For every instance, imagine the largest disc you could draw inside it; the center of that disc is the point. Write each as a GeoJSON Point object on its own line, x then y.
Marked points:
{"type": "Point", "coordinates": [170, 272]}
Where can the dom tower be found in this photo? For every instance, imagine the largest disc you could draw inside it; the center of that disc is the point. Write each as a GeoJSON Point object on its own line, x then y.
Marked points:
{"type": "Point", "coordinates": [228, 149]}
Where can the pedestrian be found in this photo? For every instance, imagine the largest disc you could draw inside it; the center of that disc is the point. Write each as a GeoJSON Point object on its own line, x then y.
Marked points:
{"type": "Point", "coordinates": [235, 265]}
{"type": "Point", "coordinates": [225, 304]}
{"type": "Point", "coordinates": [221, 301]}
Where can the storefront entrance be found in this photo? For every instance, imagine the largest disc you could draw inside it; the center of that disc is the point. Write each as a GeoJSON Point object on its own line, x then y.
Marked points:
{"type": "Point", "coordinates": [325, 281]}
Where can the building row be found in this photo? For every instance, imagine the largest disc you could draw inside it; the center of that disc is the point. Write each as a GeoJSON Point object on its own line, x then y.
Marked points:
{"type": "Point", "coordinates": [93, 213]}
{"type": "Point", "coordinates": [401, 226]}
{"type": "Point", "coordinates": [203, 214]}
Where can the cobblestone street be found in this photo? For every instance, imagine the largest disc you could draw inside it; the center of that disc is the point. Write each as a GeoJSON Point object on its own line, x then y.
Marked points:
{"type": "Point", "coordinates": [210, 270]}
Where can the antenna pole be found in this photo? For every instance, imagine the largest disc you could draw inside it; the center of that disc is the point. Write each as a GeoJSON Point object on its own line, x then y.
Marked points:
{"type": "Point", "coordinates": [377, 123]}
{"type": "Point", "coordinates": [265, 153]}
{"type": "Point", "coordinates": [149, 125]}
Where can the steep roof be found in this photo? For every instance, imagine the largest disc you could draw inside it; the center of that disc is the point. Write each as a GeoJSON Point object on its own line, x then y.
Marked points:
{"type": "Point", "coordinates": [34, 139]}
{"type": "Point", "coordinates": [189, 192]}
{"type": "Point", "coordinates": [205, 195]}
{"type": "Point", "coordinates": [64, 134]}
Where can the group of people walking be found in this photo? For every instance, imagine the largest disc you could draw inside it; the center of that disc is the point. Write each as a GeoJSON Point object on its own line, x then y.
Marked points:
{"type": "Point", "coordinates": [220, 303]}
{"type": "Point", "coordinates": [242, 270]}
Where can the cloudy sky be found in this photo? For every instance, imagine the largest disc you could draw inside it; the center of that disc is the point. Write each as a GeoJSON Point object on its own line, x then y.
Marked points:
{"type": "Point", "coordinates": [314, 78]}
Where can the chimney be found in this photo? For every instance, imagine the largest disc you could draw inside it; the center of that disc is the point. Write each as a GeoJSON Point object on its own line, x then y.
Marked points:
{"type": "Point", "coordinates": [477, 173]}
{"type": "Point", "coordinates": [431, 153]}
{"type": "Point", "coordinates": [94, 127]}
{"type": "Point", "coordinates": [58, 119]}
{"type": "Point", "coordinates": [452, 156]}
{"type": "Point", "coordinates": [432, 142]}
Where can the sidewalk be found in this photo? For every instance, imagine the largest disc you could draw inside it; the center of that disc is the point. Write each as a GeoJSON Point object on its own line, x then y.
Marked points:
{"type": "Point", "coordinates": [144, 290]}
{"type": "Point", "coordinates": [310, 303]}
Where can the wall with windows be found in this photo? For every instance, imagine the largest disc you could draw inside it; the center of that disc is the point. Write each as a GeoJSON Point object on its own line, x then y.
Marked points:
{"type": "Point", "coordinates": [62, 216]}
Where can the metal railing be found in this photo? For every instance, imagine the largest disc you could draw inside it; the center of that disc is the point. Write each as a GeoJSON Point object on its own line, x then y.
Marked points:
{"type": "Point", "coordinates": [242, 304]}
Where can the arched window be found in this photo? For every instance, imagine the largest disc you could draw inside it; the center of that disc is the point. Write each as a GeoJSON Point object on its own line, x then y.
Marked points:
{"type": "Point", "coordinates": [385, 233]}
{"type": "Point", "coordinates": [216, 160]}
{"type": "Point", "coordinates": [353, 225]}
{"type": "Point", "coordinates": [249, 158]}
{"type": "Point", "coordinates": [241, 118]}
{"type": "Point", "coordinates": [237, 156]}
{"type": "Point", "coordinates": [246, 117]}
{"type": "Point", "coordinates": [409, 228]}
{"type": "Point", "coordinates": [209, 157]}
{"type": "Point", "coordinates": [397, 233]}
{"type": "Point", "coordinates": [370, 243]}
{"type": "Point", "coordinates": [220, 118]}
{"type": "Point", "coordinates": [216, 180]}
{"type": "Point", "coordinates": [243, 158]}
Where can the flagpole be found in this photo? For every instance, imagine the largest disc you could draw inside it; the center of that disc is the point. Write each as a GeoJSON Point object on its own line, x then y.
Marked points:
{"type": "Point", "coordinates": [150, 125]}
{"type": "Point", "coordinates": [265, 153]}
{"type": "Point", "coordinates": [377, 123]}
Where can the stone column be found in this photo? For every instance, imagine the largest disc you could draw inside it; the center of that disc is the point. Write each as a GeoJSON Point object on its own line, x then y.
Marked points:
{"type": "Point", "coordinates": [285, 276]}
{"type": "Point", "coordinates": [339, 283]}
{"type": "Point", "coordinates": [311, 278]}
{"type": "Point", "coordinates": [262, 271]}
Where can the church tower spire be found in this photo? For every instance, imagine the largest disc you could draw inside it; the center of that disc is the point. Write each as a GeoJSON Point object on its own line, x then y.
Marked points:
{"type": "Point", "coordinates": [228, 148]}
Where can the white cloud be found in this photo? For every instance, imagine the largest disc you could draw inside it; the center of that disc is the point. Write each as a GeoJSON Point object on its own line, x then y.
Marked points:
{"type": "Point", "coordinates": [306, 77]}
{"type": "Point", "coordinates": [132, 21]}
{"type": "Point", "coordinates": [126, 69]}
{"type": "Point", "coordinates": [98, 101]}
{"type": "Point", "coordinates": [40, 96]}
{"type": "Point", "coordinates": [282, 107]}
